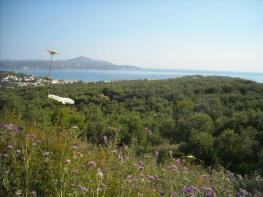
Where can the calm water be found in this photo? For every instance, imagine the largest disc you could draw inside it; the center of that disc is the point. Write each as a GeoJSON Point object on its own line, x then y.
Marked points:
{"type": "Point", "coordinates": [108, 75]}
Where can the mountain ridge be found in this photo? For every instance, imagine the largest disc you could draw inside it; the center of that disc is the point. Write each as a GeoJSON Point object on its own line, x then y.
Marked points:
{"type": "Point", "coordinates": [80, 62]}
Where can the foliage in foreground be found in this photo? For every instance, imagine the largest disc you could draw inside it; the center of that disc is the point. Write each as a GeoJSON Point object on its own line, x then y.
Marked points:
{"type": "Point", "coordinates": [56, 163]}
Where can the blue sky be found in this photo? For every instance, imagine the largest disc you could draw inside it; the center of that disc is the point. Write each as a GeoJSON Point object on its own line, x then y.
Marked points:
{"type": "Point", "coordinates": [178, 34]}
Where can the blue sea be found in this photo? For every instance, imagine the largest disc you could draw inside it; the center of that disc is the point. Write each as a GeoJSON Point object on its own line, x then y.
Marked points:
{"type": "Point", "coordinates": [109, 75]}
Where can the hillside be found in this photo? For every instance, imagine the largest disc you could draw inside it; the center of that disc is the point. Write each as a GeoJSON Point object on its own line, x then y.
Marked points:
{"type": "Point", "coordinates": [207, 122]}
{"type": "Point", "coordinates": [75, 63]}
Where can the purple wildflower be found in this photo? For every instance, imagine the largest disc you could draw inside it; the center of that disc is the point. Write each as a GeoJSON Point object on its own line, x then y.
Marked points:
{"type": "Point", "coordinates": [188, 189]}
{"type": "Point", "coordinates": [18, 150]}
{"type": "Point", "coordinates": [150, 177]}
{"type": "Point", "coordinates": [185, 168]}
{"type": "Point", "coordinates": [74, 171]}
{"type": "Point", "coordinates": [83, 188]}
{"type": "Point", "coordinates": [46, 153]}
{"type": "Point", "coordinates": [34, 193]}
{"type": "Point", "coordinates": [150, 132]}
{"type": "Point", "coordinates": [10, 147]}
{"type": "Point", "coordinates": [105, 137]}
{"type": "Point", "coordinates": [74, 147]}
{"type": "Point", "coordinates": [72, 185]}
{"type": "Point", "coordinates": [93, 163]}
{"type": "Point", "coordinates": [156, 152]}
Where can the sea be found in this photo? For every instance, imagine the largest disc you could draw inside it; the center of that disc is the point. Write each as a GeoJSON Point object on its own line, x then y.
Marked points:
{"type": "Point", "coordinates": [112, 75]}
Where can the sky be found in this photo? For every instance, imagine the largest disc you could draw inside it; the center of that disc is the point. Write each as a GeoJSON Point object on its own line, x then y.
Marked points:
{"type": "Point", "coordinates": [176, 34]}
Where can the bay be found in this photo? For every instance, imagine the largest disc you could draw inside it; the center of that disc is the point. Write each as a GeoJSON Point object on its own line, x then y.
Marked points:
{"type": "Point", "coordinates": [110, 75]}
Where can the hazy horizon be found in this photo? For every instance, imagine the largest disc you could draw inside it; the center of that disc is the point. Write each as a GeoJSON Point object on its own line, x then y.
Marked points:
{"type": "Point", "coordinates": [205, 35]}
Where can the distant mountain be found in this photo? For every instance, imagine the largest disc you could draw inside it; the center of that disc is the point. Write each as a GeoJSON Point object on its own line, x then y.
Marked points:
{"type": "Point", "coordinates": [75, 63]}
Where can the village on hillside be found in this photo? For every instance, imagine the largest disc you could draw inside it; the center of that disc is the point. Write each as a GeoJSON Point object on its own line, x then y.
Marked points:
{"type": "Point", "coordinates": [13, 79]}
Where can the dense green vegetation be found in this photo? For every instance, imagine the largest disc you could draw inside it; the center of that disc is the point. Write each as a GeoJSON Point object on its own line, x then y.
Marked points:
{"type": "Point", "coordinates": [217, 119]}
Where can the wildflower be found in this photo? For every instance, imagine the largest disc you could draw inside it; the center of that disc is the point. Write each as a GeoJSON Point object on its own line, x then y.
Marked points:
{"type": "Point", "coordinates": [19, 192]}
{"type": "Point", "coordinates": [173, 194]}
{"type": "Point", "coordinates": [162, 193]}
{"type": "Point", "coordinates": [31, 135]}
{"type": "Point", "coordinates": [39, 141]}
{"type": "Point", "coordinates": [156, 152]}
{"type": "Point", "coordinates": [188, 189]}
{"type": "Point", "coordinates": [7, 171]}
{"type": "Point", "coordinates": [134, 139]}
{"type": "Point", "coordinates": [34, 144]}
{"type": "Point", "coordinates": [93, 163]}
{"type": "Point", "coordinates": [103, 185]}
{"type": "Point", "coordinates": [190, 157]}
{"type": "Point", "coordinates": [62, 100]}
{"type": "Point", "coordinates": [104, 137]}
{"type": "Point", "coordinates": [150, 177]}
{"type": "Point", "coordinates": [120, 157]}
{"type": "Point", "coordinates": [74, 171]}
{"type": "Point", "coordinates": [52, 52]}
{"type": "Point", "coordinates": [100, 174]}
{"type": "Point", "coordinates": [46, 153]}
{"type": "Point", "coordinates": [185, 168]}
{"type": "Point", "coordinates": [83, 188]}
{"type": "Point", "coordinates": [129, 176]}
{"type": "Point", "coordinates": [74, 147]}
{"type": "Point", "coordinates": [243, 191]}
{"type": "Point", "coordinates": [178, 161]}
{"type": "Point", "coordinates": [72, 185]}
{"type": "Point", "coordinates": [18, 150]}
{"type": "Point", "coordinates": [170, 151]}
{"type": "Point", "coordinates": [114, 151]}
{"type": "Point", "coordinates": [20, 128]}
{"type": "Point", "coordinates": [83, 165]}
{"type": "Point", "coordinates": [128, 157]}
{"type": "Point", "coordinates": [68, 161]}
{"type": "Point", "coordinates": [240, 177]}
{"type": "Point", "coordinates": [10, 147]}
{"type": "Point", "coordinates": [5, 155]}
{"type": "Point", "coordinates": [34, 193]}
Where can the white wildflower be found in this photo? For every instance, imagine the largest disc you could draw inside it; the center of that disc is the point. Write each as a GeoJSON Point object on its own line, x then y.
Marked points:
{"type": "Point", "coordinates": [100, 174]}
{"type": "Point", "coordinates": [52, 52]}
{"type": "Point", "coordinates": [190, 157]}
{"type": "Point", "coordinates": [62, 100]}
